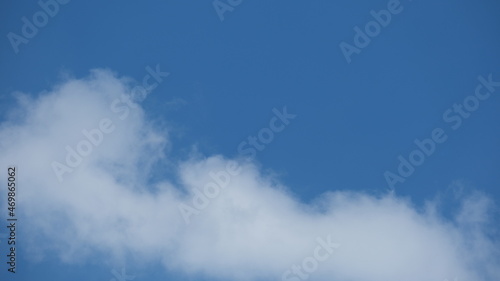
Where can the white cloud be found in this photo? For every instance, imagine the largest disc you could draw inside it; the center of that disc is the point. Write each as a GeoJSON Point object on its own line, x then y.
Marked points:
{"type": "Point", "coordinates": [254, 229]}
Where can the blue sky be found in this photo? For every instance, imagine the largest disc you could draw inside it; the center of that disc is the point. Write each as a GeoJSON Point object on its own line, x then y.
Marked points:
{"type": "Point", "coordinates": [352, 120]}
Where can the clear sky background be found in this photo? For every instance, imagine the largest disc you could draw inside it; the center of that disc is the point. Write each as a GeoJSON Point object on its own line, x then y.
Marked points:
{"type": "Point", "coordinates": [353, 119]}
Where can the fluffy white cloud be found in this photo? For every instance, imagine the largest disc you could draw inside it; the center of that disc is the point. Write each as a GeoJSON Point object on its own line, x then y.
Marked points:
{"type": "Point", "coordinates": [255, 228]}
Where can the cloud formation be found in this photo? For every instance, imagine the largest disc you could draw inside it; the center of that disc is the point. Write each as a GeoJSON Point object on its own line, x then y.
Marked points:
{"type": "Point", "coordinates": [256, 228]}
